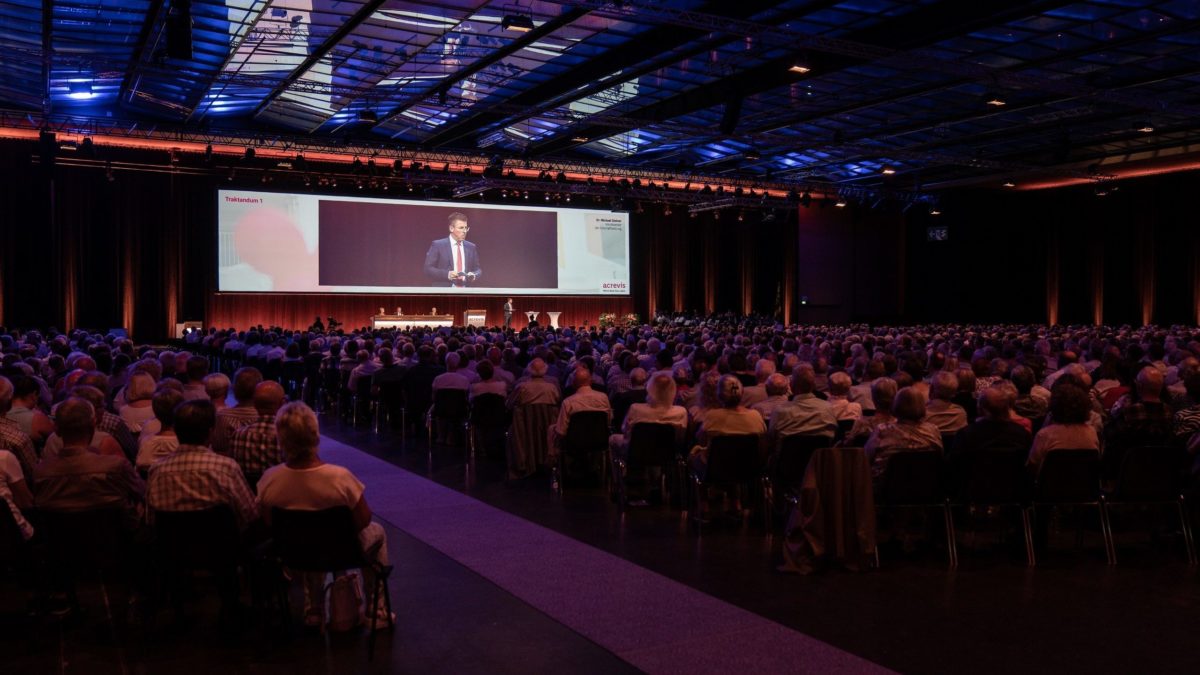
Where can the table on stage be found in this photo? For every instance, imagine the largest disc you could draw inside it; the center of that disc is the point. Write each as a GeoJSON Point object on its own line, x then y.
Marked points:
{"type": "Point", "coordinates": [412, 320]}
{"type": "Point", "coordinates": [553, 318]}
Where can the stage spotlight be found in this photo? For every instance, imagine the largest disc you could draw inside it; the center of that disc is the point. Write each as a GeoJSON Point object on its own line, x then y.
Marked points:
{"type": "Point", "coordinates": [567, 198]}
{"type": "Point", "coordinates": [995, 100]}
{"type": "Point", "coordinates": [249, 154]}
{"type": "Point", "coordinates": [888, 171]}
{"type": "Point", "coordinates": [1009, 184]}
{"type": "Point", "coordinates": [80, 90]}
{"type": "Point", "coordinates": [799, 68]}
{"type": "Point", "coordinates": [841, 203]}
{"type": "Point", "coordinates": [1144, 127]}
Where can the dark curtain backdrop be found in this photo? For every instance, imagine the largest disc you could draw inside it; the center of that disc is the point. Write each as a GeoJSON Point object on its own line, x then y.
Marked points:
{"type": "Point", "coordinates": [138, 252]}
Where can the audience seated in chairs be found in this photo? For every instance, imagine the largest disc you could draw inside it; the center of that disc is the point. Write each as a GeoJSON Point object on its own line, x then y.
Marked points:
{"type": "Point", "coordinates": [941, 412]}
{"type": "Point", "coordinates": [584, 399]}
{"type": "Point", "coordinates": [776, 388]}
{"type": "Point", "coordinates": [195, 478]}
{"type": "Point", "coordinates": [229, 420]}
{"type": "Point", "coordinates": [995, 428]}
{"type": "Point", "coordinates": [164, 442]}
{"type": "Point", "coordinates": [805, 415]}
{"type": "Point", "coordinates": [256, 446]}
{"type": "Point", "coordinates": [77, 477]}
{"type": "Point", "coordinates": [306, 483]}
{"type": "Point", "coordinates": [731, 419]}
{"type": "Point", "coordinates": [12, 438]}
{"type": "Point", "coordinates": [1067, 426]}
{"type": "Point", "coordinates": [908, 432]}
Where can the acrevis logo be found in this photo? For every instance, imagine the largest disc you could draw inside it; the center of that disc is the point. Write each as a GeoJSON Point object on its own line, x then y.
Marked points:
{"type": "Point", "coordinates": [614, 286]}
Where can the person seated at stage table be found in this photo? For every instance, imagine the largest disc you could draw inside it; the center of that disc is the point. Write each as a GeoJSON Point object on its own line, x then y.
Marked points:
{"type": "Point", "coordinates": [306, 483]}
{"type": "Point", "coordinates": [908, 432]}
{"type": "Point", "coordinates": [163, 442]}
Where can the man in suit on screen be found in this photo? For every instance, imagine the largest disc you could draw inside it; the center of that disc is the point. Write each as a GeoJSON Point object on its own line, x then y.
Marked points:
{"type": "Point", "coordinates": [453, 261]}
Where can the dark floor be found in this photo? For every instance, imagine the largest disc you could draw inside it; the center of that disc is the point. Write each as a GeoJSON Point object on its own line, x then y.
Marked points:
{"type": "Point", "coordinates": [1072, 613]}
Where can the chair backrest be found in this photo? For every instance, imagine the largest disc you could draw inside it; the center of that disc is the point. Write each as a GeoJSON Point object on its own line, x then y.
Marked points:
{"type": "Point", "coordinates": [317, 541]}
{"type": "Point", "coordinates": [990, 476]}
{"type": "Point", "coordinates": [204, 539]}
{"type": "Point", "coordinates": [450, 404]}
{"type": "Point", "coordinates": [362, 387]}
{"type": "Point", "coordinates": [391, 394]}
{"type": "Point", "coordinates": [487, 410]}
{"type": "Point", "coordinates": [652, 444]}
{"type": "Point", "coordinates": [1069, 476]}
{"type": "Point", "coordinates": [83, 539]}
{"type": "Point", "coordinates": [1150, 473]}
{"type": "Point", "coordinates": [293, 371]}
{"type": "Point", "coordinates": [733, 458]}
{"type": "Point", "coordinates": [11, 540]}
{"type": "Point", "coordinates": [912, 477]}
{"type": "Point", "coordinates": [844, 427]}
{"type": "Point", "coordinates": [587, 431]}
{"type": "Point", "coordinates": [795, 451]}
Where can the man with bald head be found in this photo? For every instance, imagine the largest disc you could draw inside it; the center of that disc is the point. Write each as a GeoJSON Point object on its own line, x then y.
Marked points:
{"type": "Point", "coordinates": [994, 429]}
{"type": "Point", "coordinates": [584, 399]}
{"type": "Point", "coordinates": [805, 415]}
{"type": "Point", "coordinates": [256, 446]}
{"type": "Point", "coordinates": [535, 387]}
{"type": "Point", "coordinates": [229, 420]}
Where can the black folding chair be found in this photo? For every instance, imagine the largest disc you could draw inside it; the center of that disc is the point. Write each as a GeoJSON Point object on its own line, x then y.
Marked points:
{"type": "Point", "coordinates": [204, 540]}
{"type": "Point", "coordinates": [587, 436]}
{"type": "Point", "coordinates": [983, 480]}
{"type": "Point", "coordinates": [785, 472]}
{"type": "Point", "coordinates": [912, 479]}
{"type": "Point", "coordinates": [291, 376]}
{"type": "Point", "coordinates": [1072, 478]}
{"type": "Point", "coordinates": [362, 402]}
{"type": "Point", "coordinates": [733, 461]}
{"type": "Point", "coordinates": [326, 542]}
{"type": "Point", "coordinates": [651, 445]}
{"type": "Point", "coordinates": [1152, 475]}
{"type": "Point", "coordinates": [487, 422]}
{"type": "Point", "coordinates": [449, 408]}
{"type": "Point", "coordinates": [83, 542]}
{"type": "Point", "coordinates": [389, 406]}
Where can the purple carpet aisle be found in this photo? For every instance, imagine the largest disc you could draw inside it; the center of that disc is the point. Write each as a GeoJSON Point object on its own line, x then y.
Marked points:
{"type": "Point", "coordinates": [650, 621]}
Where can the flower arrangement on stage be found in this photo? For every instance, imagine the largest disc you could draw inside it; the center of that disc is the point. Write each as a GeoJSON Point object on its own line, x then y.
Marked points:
{"type": "Point", "coordinates": [611, 319]}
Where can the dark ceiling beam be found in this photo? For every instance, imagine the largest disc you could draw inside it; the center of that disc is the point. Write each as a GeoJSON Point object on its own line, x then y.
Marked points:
{"type": "Point", "coordinates": [566, 18]}
{"type": "Point", "coordinates": [321, 52]}
{"type": "Point", "coordinates": [1174, 29]}
{"type": "Point", "coordinates": [641, 54]}
{"type": "Point", "coordinates": [139, 52]}
{"type": "Point", "coordinates": [915, 29]}
{"type": "Point", "coordinates": [47, 52]}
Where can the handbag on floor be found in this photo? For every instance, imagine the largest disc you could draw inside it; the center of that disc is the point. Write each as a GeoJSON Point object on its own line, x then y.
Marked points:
{"type": "Point", "coordinates": [345, 602]}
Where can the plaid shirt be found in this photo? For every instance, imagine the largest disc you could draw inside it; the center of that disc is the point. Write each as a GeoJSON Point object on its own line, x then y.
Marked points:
{"type": "Point", "coordinates": [196, 478]}
{"type": "Point", "coordinates": [18, 442]}
{"type": "Point", "coordinates": [229, 421]}
{"type": "Point", "coordinates": [256, 445]}
{"type": "Point", "coordinates": [115, 426]}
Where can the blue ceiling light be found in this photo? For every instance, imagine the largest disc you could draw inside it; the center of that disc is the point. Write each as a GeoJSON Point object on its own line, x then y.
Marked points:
{"type": "Point", "coordinates": [80, 90]}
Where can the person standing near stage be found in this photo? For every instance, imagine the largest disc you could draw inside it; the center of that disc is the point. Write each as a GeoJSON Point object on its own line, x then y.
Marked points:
{"type": "Point", "coordinates": [453, 261]}
{"type": "Point", "coordinates": [508, 309]}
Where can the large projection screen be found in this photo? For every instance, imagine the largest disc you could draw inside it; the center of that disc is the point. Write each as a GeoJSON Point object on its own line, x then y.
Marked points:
{"type": "Point", "coordinates": [302, 243]}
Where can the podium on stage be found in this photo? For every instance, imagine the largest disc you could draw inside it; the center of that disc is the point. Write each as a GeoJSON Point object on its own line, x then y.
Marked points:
{"type": "Point", "coordinates": [553, 318]}
{"type": "Point", "coordinates": [533, 315]}
{"type": "Point", "coordinates": [475, 317]}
